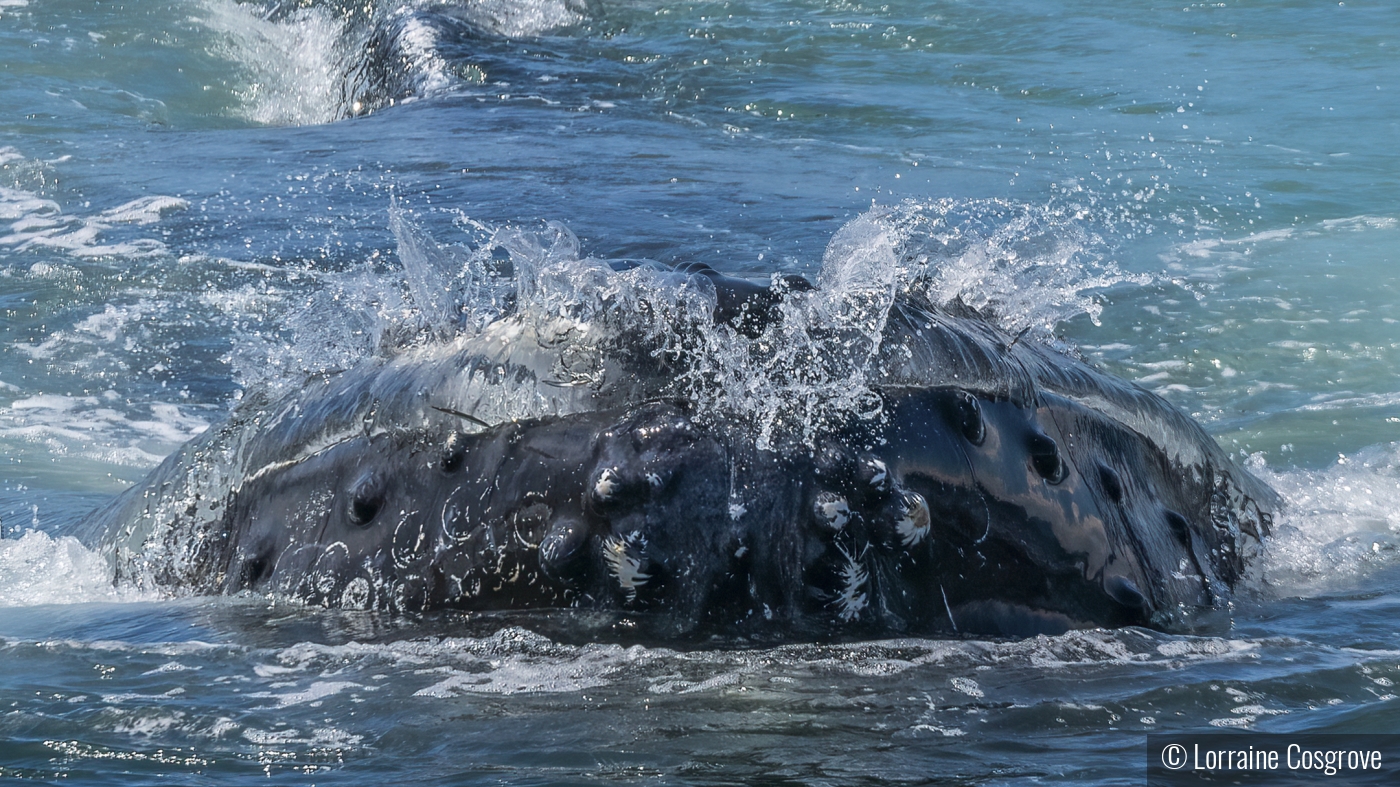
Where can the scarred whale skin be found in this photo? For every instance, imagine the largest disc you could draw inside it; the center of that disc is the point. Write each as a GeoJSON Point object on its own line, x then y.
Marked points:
{"type": "Point", "coordinates": [1004, 488]}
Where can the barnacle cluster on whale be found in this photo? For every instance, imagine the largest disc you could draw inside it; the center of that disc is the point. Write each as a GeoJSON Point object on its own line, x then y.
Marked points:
{"type": "Point", "coordinates": [695, 453]}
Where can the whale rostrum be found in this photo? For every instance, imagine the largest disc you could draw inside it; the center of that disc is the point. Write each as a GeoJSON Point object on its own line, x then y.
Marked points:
{"type": "Point", "coordinates": [995, 486]}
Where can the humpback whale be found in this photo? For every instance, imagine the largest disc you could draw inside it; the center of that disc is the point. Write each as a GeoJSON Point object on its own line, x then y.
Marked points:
{"type": "Point", "coordinates": [394, 52]}
{"type": "Point", "coordinates": [973, 482]}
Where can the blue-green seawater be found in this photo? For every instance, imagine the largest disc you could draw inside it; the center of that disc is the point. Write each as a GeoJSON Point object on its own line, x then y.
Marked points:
{"type": "Point", "coordinates": [1207, 193]}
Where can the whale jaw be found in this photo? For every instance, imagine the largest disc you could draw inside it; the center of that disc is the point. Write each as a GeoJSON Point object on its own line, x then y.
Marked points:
{"type": "Point", "coordinates": [951, 514]}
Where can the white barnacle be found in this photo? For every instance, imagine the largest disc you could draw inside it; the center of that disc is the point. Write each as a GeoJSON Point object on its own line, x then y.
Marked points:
{"type": "Point", "coordinates": [913, 526]}
{"type": "Point", "coordinates": [606, 485]}
{"type": "Point", "coordinates": [623, 558]}
{"type": "Point", "coordinates": [357, 594]}
{"type": "Point", "coordinates": [654, 480]}
{"type": "Point", "coordinates": [831, 510]}
{"type": "Point", "coordinates": [408, 545]}
{"type": "Point", "coordinates": [879, 473]}
{"type": "Point", "coordinates": [322, 583]}
{"type": "Point", "coordinates": [851, 599]}
{"type": "Point", "coordinates": [455, 589]}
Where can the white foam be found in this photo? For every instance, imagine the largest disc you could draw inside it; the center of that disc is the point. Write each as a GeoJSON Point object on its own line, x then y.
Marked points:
{"type": "Point", "coordinates": [1340, 523]}
{"type": "Point", "coordinates": [321, 737]}
{"type": "Point", "coordinates": [146, 210]}
{"type": "Point", "coordinates": [512, 676]}
{"type": "Point", "coordinates": [37, 222]}
{"type": "Point", "coordinates": [1388, 400]}
{"type": "Point", "coordinates": [714, 683]}
{"type": "Point", "coordinates": [1204, 648]}
{"type": "Point", "coordinates": [94, 428]}
{"type": "Point", "coordinates": [313, 694]}
{"type": "Point", "coordinates": [1362, 222]}
{"type": "Point", "coordinates": [1238, 248]}
{"type": "Point", "coordinates": [967, 686]}
{"type": "Point", "coordinates": [169, 666]}
{"type": "Point", "coordinates": [512, 661]}
{"type": "Point", "coordinates": [37, 568]}
{"type": "Point", "coordinates": [515, 661]}
{"type": "Point", "coordinates": [16, 204]}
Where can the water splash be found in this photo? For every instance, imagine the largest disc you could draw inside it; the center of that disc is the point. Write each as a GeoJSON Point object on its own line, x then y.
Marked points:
{"type": "Point", "coordinates": [587, 322]}
{"type": "Point", "coordinates": [1342, 523]}
{"type": "Point", "coordinates": [514, 660]}
{"type": "Point", "coordinates": [343, 319]}
{"type": "Point", "coordinates": [455, 288]}
{"type": "Point", "coordinates": [37, 568]}
{"type": "Point", "coordinates": [291, 68]}
{"type": "Point", "coordinates": [1026, 267]}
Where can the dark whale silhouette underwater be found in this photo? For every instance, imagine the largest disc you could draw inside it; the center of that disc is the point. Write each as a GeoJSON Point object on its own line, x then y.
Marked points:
{"type": "Point", "coordinates": [917, 470]}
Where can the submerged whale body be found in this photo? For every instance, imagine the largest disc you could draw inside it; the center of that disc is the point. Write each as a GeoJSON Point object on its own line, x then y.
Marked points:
{"type": "Point", "coordinates": [989, 486]}
{"type": "Point", "coordinates": [394, 51]}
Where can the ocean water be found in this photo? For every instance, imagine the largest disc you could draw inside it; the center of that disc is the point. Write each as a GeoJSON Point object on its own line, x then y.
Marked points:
{"type": "Point", "coordinates": [196, 201]}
